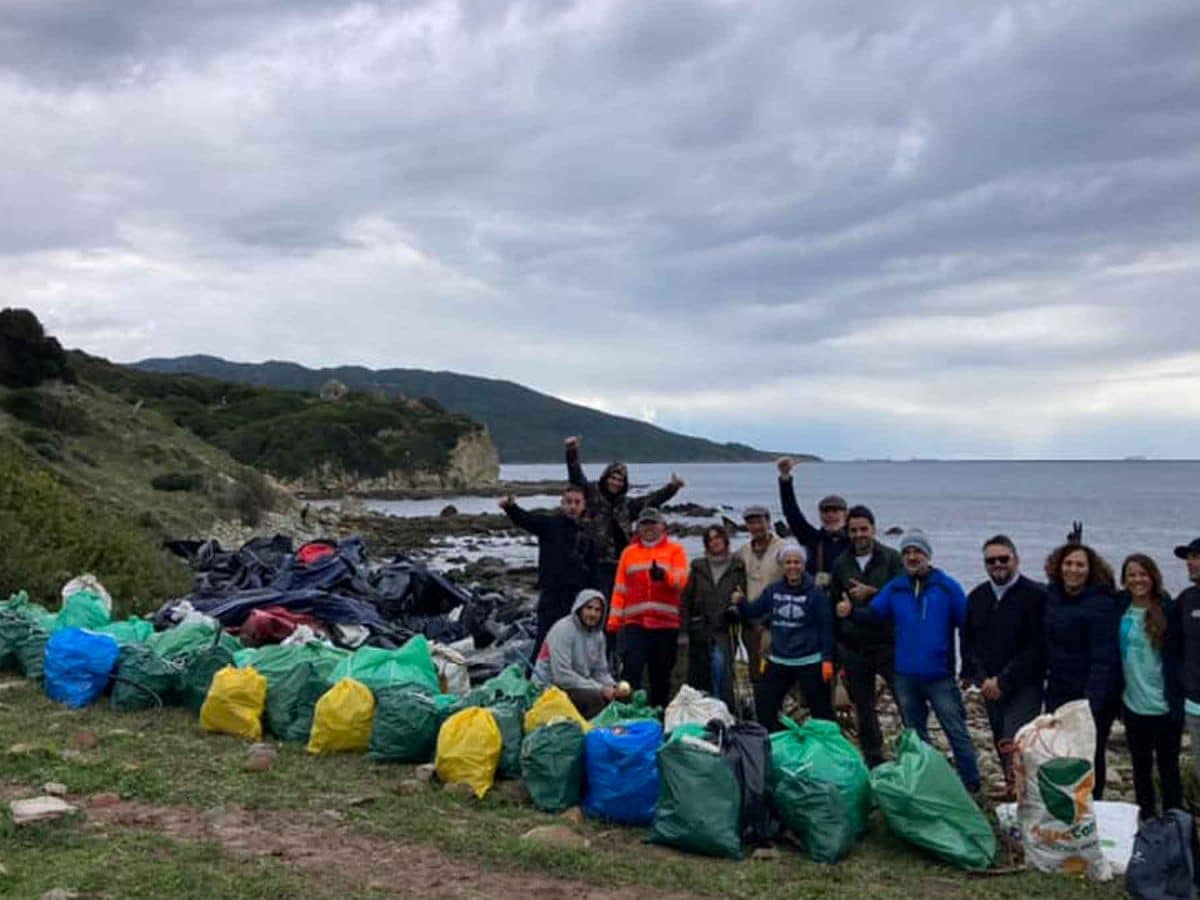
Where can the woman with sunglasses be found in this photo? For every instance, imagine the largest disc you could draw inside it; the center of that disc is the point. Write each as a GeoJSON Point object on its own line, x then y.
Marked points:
{"type": "Point", "coordinates": [1152, 693]}
{"type": "Point", "coordinates": [1081, 653]}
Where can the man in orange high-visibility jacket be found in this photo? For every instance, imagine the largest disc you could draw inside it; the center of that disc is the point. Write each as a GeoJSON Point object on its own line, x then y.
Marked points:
{"type": "Point", "coordinates": [651, 575]}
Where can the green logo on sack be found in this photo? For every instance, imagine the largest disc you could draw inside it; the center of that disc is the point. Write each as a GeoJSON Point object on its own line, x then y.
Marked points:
{"type": "Point", "coordinates": [1066, 788]}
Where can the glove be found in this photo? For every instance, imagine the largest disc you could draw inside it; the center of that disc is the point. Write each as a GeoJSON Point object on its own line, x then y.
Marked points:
{"type": "Point", "coordinates": [657, 572]}
{"type": "Point", "coordinates": [827, 671]}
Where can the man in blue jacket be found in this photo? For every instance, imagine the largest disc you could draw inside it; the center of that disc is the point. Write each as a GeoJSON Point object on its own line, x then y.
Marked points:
{"type": "Point", "coordinates": [926, 606]}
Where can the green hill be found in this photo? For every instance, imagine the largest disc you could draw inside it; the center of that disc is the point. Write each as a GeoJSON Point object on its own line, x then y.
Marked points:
{"type": "Point", "coordinates": [300, 437]}
{"type": "Point", "coordinates": [526, 426]}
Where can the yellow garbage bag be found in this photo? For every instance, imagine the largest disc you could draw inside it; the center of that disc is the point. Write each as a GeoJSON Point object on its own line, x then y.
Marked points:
{"type": "Point", "coordinates": [553, 704]}
{"type": "Point", "coordinates": [468, 749]}
{"type": "Point", "coordinates": [234, 704]}
{"type": "Point", "coordinates": [342, 718]}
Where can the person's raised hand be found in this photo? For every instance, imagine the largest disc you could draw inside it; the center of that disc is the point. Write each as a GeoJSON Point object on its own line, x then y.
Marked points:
{"type": "Point", "coordinates": [508, 500]}
{"type": "Point", "coordinates": [572, 442]}
{"type": "Point", "coordinates": [843, 609]}
{"type": "Point", "coordinates": [784, 464]}
{"type": "Point", "coordinates": [657, 572]}
{"type": "Point", "coordinates": [859, 591]}
{"type": "Point", "coordinates": [676, 481]}
{"type": "Point", "coordinates": [738, 596]}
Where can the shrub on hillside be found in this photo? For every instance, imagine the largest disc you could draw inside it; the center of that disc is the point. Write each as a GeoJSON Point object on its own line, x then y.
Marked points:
{"type": "Point", "coordinates": [44, 410]}
{"type": "Point", "coordinates": [177, 481]}
{"type": "Point", "coordinates": [28, 356]}
{"type": "Point", "coordinates": [51, 531]}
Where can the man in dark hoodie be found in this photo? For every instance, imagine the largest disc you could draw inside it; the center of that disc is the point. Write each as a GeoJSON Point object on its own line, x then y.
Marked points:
{"type": "Point", "coordinates": [566, 555]}
{"type": "Point", "coordinates": [1002, 646]}
{"type": "Point", "coordinates": [611, 512]}
{"type": "Point", "coordinates": [1187, 608]}
{"type": "Point", "coordinates": [822, 545]}
{"type": "Point", "coordinates": [866, 650]}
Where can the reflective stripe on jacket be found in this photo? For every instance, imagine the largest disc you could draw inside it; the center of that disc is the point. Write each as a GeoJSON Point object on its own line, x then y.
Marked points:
{"type": "Point", "coordinates": [640, 600]}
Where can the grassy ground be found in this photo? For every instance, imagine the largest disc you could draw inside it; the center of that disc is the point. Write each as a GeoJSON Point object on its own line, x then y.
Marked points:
{"type": "Point", "coordinates": [163, 759]}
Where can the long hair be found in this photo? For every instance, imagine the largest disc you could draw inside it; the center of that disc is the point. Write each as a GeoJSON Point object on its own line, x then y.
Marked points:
{"type": "Point", "coordinates": [1100, 573]}
{"type": "Point", "coordinates": [1156, 616]}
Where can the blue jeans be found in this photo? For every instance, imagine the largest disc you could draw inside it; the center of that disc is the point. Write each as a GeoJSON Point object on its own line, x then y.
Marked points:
{"type": "Point", "coordinates": [718, 670]}
{"type": "Point", "coordinates": [916, 696]}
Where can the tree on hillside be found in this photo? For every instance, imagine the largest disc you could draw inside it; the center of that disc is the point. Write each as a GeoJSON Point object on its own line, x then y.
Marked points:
{"type": "Point", "coordinates": [28, 356]}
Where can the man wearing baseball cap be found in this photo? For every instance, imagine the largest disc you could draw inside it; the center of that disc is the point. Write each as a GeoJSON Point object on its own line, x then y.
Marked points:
{"type": "Point", "coordinates": [825, 544]}
{"type": "Point", "coordinates": [1187, 606]}
{"type": "Point", "coordinates": [651, 575]}
{"type": "Point", "coordinates": [760, 556]}
{"type": "Point", "coordinates": [926, 605]}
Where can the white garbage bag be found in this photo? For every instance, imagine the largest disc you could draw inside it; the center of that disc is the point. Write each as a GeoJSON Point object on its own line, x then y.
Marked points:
{"type": "Point", "coordinates": [1055, 777]}
{"type": "Point", "coordinates": [691, 705]}
{"type": "Point", "coordinates": [90, 583]}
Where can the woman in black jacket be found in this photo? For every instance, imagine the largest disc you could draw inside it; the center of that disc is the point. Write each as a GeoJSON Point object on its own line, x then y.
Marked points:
{"type": "Point", "coordinates": [1082, 657]}
{"type": "Point", "coordinates": [705, 613]}
{"type": "Point", "coordinates": [1152, 693]}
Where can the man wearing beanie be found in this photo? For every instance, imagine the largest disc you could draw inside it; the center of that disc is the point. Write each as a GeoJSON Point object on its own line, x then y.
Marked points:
{"type": "Point", "coordinates": [926, 606]}
{"type": "Point", "coordinates": [866, 650]}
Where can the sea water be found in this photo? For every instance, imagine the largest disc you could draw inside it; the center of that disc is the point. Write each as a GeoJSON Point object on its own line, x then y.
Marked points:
{"type": "Point", "coordinates": [1125, 506]}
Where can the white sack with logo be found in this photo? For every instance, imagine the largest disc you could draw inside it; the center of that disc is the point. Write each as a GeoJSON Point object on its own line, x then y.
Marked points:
{"type": "Point", "coordinates": [1055, 777]}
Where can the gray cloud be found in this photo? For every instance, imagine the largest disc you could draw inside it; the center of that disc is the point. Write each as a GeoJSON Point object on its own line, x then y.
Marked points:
{"type": "Point", "coordinates": [629, 201]}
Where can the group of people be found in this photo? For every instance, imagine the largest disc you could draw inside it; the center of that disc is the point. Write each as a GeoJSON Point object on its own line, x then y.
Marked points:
{"type": "Point", "coordinates": [616, 593]}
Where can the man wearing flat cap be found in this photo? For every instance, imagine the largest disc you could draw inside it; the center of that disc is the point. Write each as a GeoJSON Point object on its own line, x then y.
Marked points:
{"type": "Point", "coordinates": [822, 545]}
{"type": "Point", "coordinates": [1187, 607]}
{"type": "Point", "coordinates": [760, 556]}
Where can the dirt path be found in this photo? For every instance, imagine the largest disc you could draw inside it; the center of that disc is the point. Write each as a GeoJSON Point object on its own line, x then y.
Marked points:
{"type": "Point", "coordinates": [338, 857]}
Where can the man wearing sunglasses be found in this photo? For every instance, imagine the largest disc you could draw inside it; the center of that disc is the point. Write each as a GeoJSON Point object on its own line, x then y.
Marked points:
{"type": "Point", "coordinates": [1002, 646]}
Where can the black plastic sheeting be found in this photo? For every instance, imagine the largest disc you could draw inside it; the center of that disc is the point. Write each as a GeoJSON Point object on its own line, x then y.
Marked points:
{"type": "Point", "coordinates": [394, 599]}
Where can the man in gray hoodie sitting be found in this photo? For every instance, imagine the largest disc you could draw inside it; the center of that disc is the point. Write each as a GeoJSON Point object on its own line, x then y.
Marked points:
{"type": "Point", "coordinates": [573, 657]}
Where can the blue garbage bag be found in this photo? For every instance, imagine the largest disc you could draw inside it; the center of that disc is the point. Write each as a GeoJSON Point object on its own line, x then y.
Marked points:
{"type": "Point", "coordinates": [78, 664]}
{"type": "Point", "coordinates": [621, 772]}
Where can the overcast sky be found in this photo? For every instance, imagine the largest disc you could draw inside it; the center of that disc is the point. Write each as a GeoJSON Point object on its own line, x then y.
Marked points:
{"type": "Point", "coordinates": [857, 229]}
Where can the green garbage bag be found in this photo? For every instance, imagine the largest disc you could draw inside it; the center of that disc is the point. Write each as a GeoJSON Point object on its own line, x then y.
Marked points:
{"type": "Point", "coordinates": [13, 628]}
{"type": "Point", "coordinates": [617, 712]}
{"type": "Point", "coordinates": [407, 719]}
{"type": "Point", "coordinates": [20, 605]}
{"type": "Point", "coordinates": [274, 661]}
{"type": "Point", "coordinates": [199, 667]}
{"type": "Point", "coordinates": [291, 699]}
{"type": "Point", "coordinates": [687, 730]}
{"type": "Point", "coordinates": [83, 609]}
{"type": "Point", "coordinates": [511, 684]}
{"type": "Point", "coordinates": [699, 799]}
{"type": "Point", "coordinates": [552, 765]}
{"type": "Point", "coordinates": [376, 667]}
{"type": "Point", "coordinates": [30, 649]}
{"type": "Point", "coordinates": [130, 631]}
{"type": "Point", "coordinates": [144, 679]}
{"type": "Point", "coordinates": [190, 637]}
{"type": "Point", "coordinates": [510, 717]}
{"type": "Point", "coordinates": [925, 803]}
{"type": "Point", "coordinates": [820, 787]}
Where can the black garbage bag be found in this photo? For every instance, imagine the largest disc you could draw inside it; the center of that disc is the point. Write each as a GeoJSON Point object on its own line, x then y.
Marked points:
{"type": "Point", "coordinates": [1162, 866]}
{"type": "Point", "coordinates": [746, 746]}
{"type": "Point", "coordinates": [483, 665]}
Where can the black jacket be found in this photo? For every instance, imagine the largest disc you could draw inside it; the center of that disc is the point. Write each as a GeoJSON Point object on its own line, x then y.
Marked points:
{"type": "Point", "coordinates": [703, 603]}
{"type": "Point", "coordinates": [566, 552]}
{"type": "Point", "coordinates": [874, 637]}
{"type": "Point", "coordinates": [1083, 658]}
{"type": "Point", "coordinates": [610, 517]}
{"type": "Point", "coordinates": [820, 546]}
{"type": "Point", "coordinates": [1187, 614]}
{"type": "Point", "coordinates": [1171, 650]}
{"type": "Point", "coordinates": [1004, 639]}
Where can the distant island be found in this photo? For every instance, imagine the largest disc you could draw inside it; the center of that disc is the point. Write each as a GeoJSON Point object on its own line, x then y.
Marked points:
{"type": "Point", "coordinates": [526, 426]}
